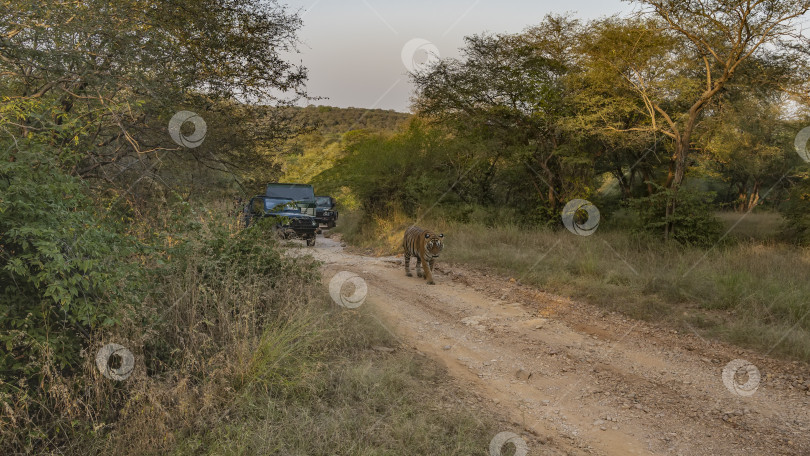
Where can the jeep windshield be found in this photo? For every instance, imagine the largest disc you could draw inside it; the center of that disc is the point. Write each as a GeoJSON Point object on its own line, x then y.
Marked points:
{"type": "Point", "coordinates": [280, 204]}
{"type": "Point", "coordinates": [323, 201]}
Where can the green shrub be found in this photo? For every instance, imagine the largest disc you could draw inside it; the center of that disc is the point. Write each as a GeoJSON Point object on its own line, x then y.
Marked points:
{"type": "Point", "coordinates": [796, 212]}
{"type": "Point", "coordinates": [692, 222]}
{"type": "Point", "coordinates": [66, 273]}
{"type": "Point", "coordinates": [64, 265]}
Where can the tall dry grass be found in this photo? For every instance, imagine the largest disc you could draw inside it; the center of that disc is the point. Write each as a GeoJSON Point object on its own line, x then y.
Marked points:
{"type": "Point", "coordinates": [239, 350]}
{"type": "Point", "coordinates": [749, 292]}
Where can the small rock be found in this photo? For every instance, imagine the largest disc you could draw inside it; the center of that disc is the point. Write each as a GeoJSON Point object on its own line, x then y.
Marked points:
{"type": "Point", "coordinates": [598, 422]}
{"type": "Point", "coordinates": [343, 244]}
{"type": "Point", "coordinates": [446, 347]}
{"type": "Point", "coordinates": [523, 374]}
{"type": "Point", "coordinates": [383, 349]}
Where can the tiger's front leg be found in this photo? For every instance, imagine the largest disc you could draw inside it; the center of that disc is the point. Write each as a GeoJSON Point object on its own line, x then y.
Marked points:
{"type": "Point", "coordinates": [408, 265]}
{"type": "Point", "coordinates": [429, 272]}
{"type": "Point", "coordinates": [418, 266]}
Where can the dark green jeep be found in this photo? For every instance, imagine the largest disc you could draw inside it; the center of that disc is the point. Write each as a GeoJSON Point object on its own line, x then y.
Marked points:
{"type": "Point", "coordinates": [290, 222]}
{"type": "Point", "coordinates": [325, 211]}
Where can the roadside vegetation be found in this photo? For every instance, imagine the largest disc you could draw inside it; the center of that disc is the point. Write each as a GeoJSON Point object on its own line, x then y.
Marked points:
{"type": "Point", "coordinates": [116, 228]}
{"type": "Point", "coordinates": [679, 126]}
{"type": "Point", "coordinates": [112, 231]}
{"type": "Point", "coordinates": [747, 291]}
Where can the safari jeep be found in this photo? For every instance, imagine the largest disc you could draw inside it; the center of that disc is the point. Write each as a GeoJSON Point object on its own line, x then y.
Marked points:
{"type": "Point", "coordinates": [290, 222]}
{"type": "Point", "coordinates": [302, 194]}
{"type": "Point", "coordinates": [325, 211]}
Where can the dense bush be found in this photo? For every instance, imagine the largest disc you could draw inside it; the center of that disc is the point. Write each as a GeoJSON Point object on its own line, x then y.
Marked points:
{"type": "Point", "coordinates": [67, 270]}
{"type": "Point", "coordinates": [204, 305]}
{"type": "Point", "coordinates": [796, 227]}
{"type": "Point", "coordinates": [65, 266]}
{"type": "Point", "coordinates": [692, 222]}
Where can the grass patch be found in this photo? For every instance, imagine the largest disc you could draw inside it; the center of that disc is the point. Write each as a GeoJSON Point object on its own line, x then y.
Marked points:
{"type": "Point", "coordinates": [756, 226]}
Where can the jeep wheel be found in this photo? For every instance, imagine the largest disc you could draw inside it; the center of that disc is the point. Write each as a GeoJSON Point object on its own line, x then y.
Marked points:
{"type": "Point", "coordinates": [311, 241]}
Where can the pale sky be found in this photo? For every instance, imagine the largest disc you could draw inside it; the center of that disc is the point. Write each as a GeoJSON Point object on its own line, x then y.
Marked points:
{"type": "Point", "coordinates": [354, 48]}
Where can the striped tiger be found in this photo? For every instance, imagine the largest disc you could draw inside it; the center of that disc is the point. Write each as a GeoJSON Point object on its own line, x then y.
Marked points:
{"type": "Point", "coordinates": [425, 245]}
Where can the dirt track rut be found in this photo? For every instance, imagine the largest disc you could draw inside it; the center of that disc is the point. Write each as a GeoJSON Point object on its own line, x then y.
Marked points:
{"type": "Point", "coordinates": [573, 379]}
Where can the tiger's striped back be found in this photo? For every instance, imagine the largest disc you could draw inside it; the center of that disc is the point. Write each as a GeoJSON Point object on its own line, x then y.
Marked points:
{"type": "Point", "coordinates": [410, 242]}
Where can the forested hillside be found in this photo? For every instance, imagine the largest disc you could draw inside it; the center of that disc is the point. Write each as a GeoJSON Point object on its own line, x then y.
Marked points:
{"type": "Point", "coordinates": [325, 133]}
{"type": "Point", "coordinates": [329, 120]}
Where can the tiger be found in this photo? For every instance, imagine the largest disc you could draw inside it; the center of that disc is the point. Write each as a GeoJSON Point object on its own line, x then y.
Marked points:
{"type": "Point", "coordinates": [425, 245]}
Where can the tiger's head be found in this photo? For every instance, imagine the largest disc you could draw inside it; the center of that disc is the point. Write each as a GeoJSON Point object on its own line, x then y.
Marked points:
{"type": "Point", "coordinates": [433, 244]}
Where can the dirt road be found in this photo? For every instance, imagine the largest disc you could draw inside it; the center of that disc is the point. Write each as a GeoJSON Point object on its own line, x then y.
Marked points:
{"type": "Point", "coordinates": [573, 379]}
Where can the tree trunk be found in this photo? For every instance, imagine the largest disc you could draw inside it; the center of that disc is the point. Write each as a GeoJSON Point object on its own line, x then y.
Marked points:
{"type": "Point", "coordinates": [675, 178]}
{"type": "Point", "coordinates": [624, 184]}
{"type": "Point", "coordinates": [753, 200]}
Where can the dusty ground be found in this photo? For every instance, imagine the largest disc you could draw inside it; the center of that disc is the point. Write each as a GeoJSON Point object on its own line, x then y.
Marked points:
{"type": "Point", "coordinates": [573, 379]}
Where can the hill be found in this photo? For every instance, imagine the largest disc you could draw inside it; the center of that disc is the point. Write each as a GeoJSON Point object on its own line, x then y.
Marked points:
{"type": "Point", "coordinates": [325, 132]}
{"type": "Point", "coordinates": [332, 120]}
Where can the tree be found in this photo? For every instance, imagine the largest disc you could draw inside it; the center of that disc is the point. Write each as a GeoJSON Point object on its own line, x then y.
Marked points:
{"type": "Point", "coordinates": [748, 145]}
{"type": "Point", "coordinates": [509, 93]}
{"type": "Point", "coordinates": [110, 74]}
{"type": "Point", "coordinates": [715, 38]}
{"type": "Point", "coordinates": [681, 56]}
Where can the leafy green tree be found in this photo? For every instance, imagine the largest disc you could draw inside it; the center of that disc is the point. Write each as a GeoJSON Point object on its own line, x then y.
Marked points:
{"type": "Point", "coordinates": [112, 73]}
{"type": "Point", "coordinates": [748, 145]}
{"type": "Point", "coordinates": [710, 41]}
{"type": "Point", "coordinates": [509, 93]}
{"type": "Point", "coordinates": [681, 59]}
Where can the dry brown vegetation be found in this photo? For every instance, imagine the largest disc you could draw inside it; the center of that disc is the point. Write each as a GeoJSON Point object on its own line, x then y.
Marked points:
{"type": "Point", "coordinates": [239, 350]}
